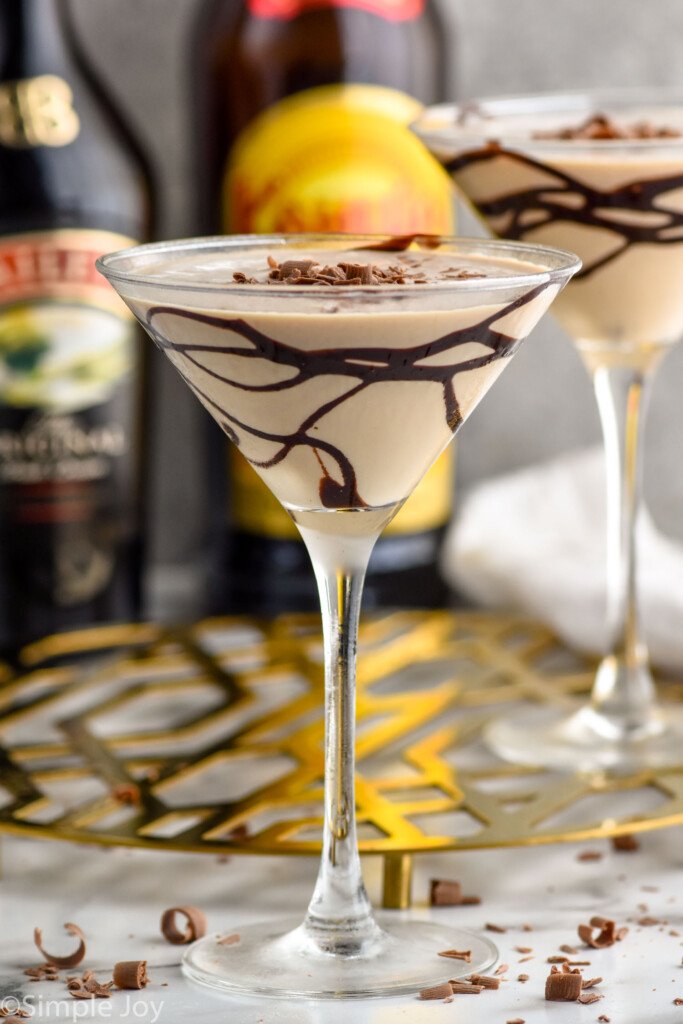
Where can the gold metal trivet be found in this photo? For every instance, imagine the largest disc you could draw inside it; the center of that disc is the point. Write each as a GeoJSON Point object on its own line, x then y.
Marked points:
{"type": "Point", "coordinates": [174, 739]}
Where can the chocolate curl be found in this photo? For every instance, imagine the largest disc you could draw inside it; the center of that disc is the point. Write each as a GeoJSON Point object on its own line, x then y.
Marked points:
{"type": "Point", "coordinates": [626, 843]}
{"type": "Point", "coordinates": [457, 954]}
{"type": "Point", "coordinates": [485, 980]}
{"type": "Point", "coordinates": [195, 928]}
{"type": "Point", "coordinates": [443, 893]}
{"type": "Point", "coordinates": [229, 940]}
{"type": "Point", "coordinates": [437, 992]}
{"type": "Point", "coordinates": [590, 997]}
{"type": "Point", "coordinates": [563, 987]}
{"type": "Point", "coordinates": [609, 934]}
{"type": "Point", "coordinates": [63, 961]}
{"type": "Point", "coordinates": [131, 974]}
{"type": "Point", "coordinates": [465, 989]}
{"type": "Point", "coordinates": [88, 987]}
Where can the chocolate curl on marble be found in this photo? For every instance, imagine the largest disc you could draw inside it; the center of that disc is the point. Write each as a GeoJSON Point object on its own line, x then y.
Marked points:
{"type": "Point", "coordinates": [437, 992]}
{"type": "Point", "coordinates": [590, 997]}
{"type": "Point", "coordinates": [88, 987]}
{"type": "Point", "coordinates": [195, 928]}
{"type": "Point", "coordinates": [608, 933]}
{"type": "Point", "coordinates": [485, 980]}
{"type": "Point", "coordinates": [444, 893]}
{"type": "Point", "coordinates": [464, 988]}
{"type": "Point", "coordinates": [563, 986]}
{"type": "Point", "coordinates": [63, 961]}
{"type": "Point", "coordinates": [626, 843]}
{"type": "Point", "coordinates": [131, 974]}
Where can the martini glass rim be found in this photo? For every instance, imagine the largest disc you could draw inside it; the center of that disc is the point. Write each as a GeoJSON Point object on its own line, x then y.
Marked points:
{"type": "Point", "coordinates": [554, 264]}
{"type": "Point", "coordinates": [465, 123]}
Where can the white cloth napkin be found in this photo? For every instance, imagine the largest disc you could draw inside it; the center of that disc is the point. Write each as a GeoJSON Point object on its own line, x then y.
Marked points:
{"type": "Point", "coordinates": [534, 540]}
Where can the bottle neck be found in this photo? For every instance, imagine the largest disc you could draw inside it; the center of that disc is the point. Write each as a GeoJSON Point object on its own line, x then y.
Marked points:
{"type": "Point", "coordinates": [32, 38]}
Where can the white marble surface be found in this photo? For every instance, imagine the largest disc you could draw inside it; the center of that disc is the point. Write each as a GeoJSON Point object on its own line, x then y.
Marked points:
{"type": "Point", "coordinates": [117, 899]}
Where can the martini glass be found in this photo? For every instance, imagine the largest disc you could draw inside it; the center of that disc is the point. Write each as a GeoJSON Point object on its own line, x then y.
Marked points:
{"type": "Point", "coordinates": [341, 396]}
{"type": "Point", "coordinates": [618, 203]}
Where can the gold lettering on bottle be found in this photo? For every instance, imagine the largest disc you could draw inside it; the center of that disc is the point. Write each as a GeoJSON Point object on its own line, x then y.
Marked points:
{"type": "Point", "coordinates": [37, 112]}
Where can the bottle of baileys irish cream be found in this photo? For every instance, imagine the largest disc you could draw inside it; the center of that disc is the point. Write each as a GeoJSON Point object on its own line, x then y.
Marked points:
{"type": "Point", "coordinates": [72, 187]}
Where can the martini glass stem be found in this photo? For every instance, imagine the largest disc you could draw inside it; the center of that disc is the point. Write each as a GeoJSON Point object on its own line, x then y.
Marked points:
{"type": "Point", "coordinates": [624, 693]}
{"type": "Point", "coordinates": [339, 919]}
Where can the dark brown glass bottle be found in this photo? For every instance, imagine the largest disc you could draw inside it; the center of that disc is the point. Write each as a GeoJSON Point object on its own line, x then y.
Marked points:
{"type": "Point", "coordinates": [72, 185]}
{"type": "Point", "coordinates": [302, 115]}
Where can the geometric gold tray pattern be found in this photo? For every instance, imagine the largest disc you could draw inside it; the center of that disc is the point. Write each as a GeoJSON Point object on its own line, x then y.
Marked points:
{"type": "Point", "coordinates": [209, 738]}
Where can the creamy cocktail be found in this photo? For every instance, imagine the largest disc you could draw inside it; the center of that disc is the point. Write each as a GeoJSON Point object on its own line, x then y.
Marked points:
{"type": "Point", "coordinates": [341, 367]}
{"type": "Point", "coordinates": [600, 174]}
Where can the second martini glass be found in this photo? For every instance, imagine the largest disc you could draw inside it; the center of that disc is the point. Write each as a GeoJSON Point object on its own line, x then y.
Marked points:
{"type": "Point", "coordinates": [600, 173]}
{"type": "Point", "coordinates": [341, 366]}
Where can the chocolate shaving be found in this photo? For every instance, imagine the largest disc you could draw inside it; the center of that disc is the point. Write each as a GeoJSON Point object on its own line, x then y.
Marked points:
{"type": "Point", "coordinates": [502, 968]}
{"type": "Point", "coordinates": [495, 928]}
{"type": "Point", "coordinates": [561, 987]}
{"type": "Point", "coordinates": [626, 843]}
{"type": "Point", "coordinates": [603, 1019]}
{"type": "Point", "coordinates": [306, 271]}
{"type": "Point", "coordinates": [524, 949]}
{"type": "Point", "coordinates": [647, 922]}
{"type": "Point", "coordinates": [195, 929]}
{"type": "Point", "coordinates": [608, 934]}
{"type": "Point", "coordinates": [463, 988]}
{"type": "Point", "coordinates": [523, 978]}
{"type": "Point", "coordinates": [88, 987]}
{"type": "Point", "coordinates": [443, 893]}
{"type": "Point", "coordinates": [485, 980]}
{"type": "Point", "coordinates": [46, 972]}
{"type": "Point", "coordinates": [589, 855]}
{"type": "Point", "coordinates": [589, 982]}
{"type": "Point", "coordinates": [437, 992]}
{"type": "Point", "coordinates": [590, 997]}
{"type": "Point", "coordinates": [516, 1020]}
{"type": "Point", "coordinates": [678, 1002]}
{"type": "Point", "coordinates": [229, 940]}
{"type": "Point", "coordinates": [63, 961]}
{"type": "Point", "coordinates": [525, 959]}
{"type": "Point", "coordinates": [126, 793]}
{"type": "Point", "coordinates": [599, 126]}
{"type": "Point", "coordinates": [458, 954]}
{"type": "Point", "coordinates": [131, 974]}
{"type": "Point", "coordinates": [569, 949]}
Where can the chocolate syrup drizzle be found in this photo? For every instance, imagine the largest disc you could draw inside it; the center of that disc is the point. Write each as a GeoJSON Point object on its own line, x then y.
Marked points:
{"type": "Point", "coordinates": [637, 196]}
{"type": "Point", "coordinates": [363, 366]}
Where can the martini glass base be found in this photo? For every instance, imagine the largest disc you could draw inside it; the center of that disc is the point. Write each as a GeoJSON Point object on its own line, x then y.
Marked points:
{"type": "Point", "coordinates": [277, 959]}
{"type": "Point", "coordinates": [584, 741]}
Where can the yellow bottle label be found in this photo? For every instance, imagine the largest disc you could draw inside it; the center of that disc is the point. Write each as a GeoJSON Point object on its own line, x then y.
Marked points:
{"type": "Point", "coordinates": [337, 158]}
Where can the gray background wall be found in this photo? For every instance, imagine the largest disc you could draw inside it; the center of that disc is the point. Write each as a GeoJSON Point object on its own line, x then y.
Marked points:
{"type": "Point", "coordinates": [544, 403]}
